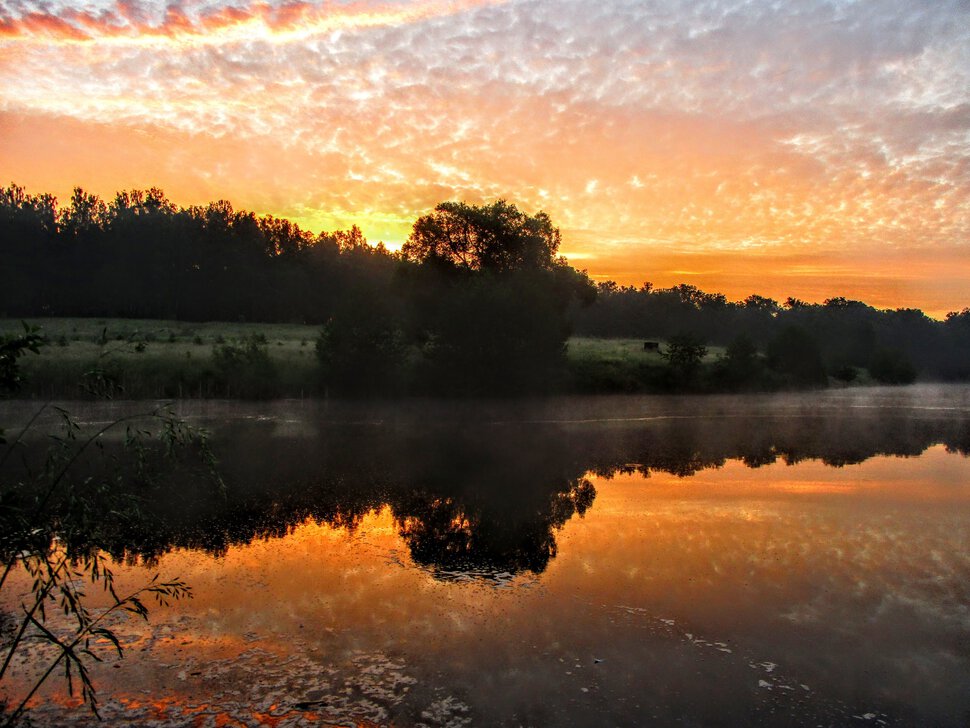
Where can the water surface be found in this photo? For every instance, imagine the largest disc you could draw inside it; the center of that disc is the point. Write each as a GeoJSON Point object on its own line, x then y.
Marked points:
{"type": "Point", "coordinates": [774, 560]}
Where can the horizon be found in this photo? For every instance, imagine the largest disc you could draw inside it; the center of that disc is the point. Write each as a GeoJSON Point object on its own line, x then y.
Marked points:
{"type": "Point", "coordinates": [814, 151]}
{"type": "Point", "coordinates": [395, 249]}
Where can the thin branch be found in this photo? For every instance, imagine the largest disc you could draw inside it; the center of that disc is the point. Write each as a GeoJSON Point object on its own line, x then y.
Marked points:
{"type": "Point", "coordinates": [38, 601]}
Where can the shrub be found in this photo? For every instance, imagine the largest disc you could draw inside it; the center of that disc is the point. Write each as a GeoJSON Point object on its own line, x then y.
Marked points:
{"type": "Point", "coordinates": [740, 367]}
{"type": "Point", "coordinates": [795, 355]}
{"type": "Point", "coordinates": [891, 366]}
{"type": "Point", "coordinates": [846, 373]}
{"type": "Point", "coordinates": [365, 356]}
{"type": "Point", "coordinates": [245, 368]}
{"type": "Point", "coordinates": [684, 354]}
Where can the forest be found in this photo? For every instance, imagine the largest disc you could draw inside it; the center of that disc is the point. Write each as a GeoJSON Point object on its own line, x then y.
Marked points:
{"type": "Point", "coordinates": [478, 301]}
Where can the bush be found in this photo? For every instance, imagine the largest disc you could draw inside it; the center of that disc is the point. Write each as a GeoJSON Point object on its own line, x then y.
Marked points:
{"type": "Point", "coordinates": [684, 354]}
{"type": "Point", "coordinates": [245, 368]}
{"type": "Point", "coordinates": [795, 355]}
{"type": "Point", "coordinates": [845, 373]}
{"type": "Point", "coordinates": [496, 335]}
{"type": "Point", "coordinates": [361, 355]}
{"type": "Point", "coordinates": [740, 367]}
{"type": "Point", "coordinates": [891, 366]}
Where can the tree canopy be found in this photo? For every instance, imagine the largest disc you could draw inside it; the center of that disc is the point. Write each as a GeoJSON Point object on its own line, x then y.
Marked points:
{"type": "Point", "coordinates": [495, 238]}
{"type": "Point", "coordinates": [478, 297]}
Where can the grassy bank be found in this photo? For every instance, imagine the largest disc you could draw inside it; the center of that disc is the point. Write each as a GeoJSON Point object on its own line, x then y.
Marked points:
{"type": "Point", "coordinates": [173, 359]}
{"type": "Point", "coordinates": [162, 359]}
{"type": "Point", "coordinates": [619, 365]}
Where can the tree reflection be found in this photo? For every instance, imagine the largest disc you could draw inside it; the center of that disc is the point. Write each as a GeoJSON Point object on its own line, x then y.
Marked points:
{"type": "Point", "coordinates": [446, 534]}
{"type": "Point", "coordinates": [473, 494]}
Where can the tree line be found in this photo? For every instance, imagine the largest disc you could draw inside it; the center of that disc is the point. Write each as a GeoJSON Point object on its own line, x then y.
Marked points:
{"type": "Point", "coordinates": [477, 301]}
{"type": "Point", "coordinates": [807, 341]}
{"type": "Point", "coordinates": [478, 296]}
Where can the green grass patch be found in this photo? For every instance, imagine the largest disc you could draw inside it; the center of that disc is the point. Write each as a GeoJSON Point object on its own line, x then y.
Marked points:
{"type": "Point", "coordinates": [171, 332]}
{"type": "Point", "coordinates": [629, 351]}
{"type": "Point", "coordinates": [620, 365]}
{"type": "Point", "coordinates": [162, 359]}
{"type": "Point", "coordinates": [175, 359]}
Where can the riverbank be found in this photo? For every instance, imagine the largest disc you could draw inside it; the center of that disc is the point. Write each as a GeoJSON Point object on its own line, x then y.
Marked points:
{"type": "Point", "coordinates": [152, 359]}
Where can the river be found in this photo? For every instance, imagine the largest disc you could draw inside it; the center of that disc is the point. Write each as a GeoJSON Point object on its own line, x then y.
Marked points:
{"type": "Point", "coordinates": [797, 559]}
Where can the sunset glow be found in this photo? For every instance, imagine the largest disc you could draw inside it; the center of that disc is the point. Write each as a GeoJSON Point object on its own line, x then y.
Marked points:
{"type": "Point", "coordinates": [812, 149]}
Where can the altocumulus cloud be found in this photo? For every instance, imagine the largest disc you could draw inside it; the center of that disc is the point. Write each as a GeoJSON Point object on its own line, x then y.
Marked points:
{"type": "Point", "coordinates": [745, 125]}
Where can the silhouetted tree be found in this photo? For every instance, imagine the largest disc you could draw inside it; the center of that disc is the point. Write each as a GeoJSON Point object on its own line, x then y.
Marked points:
{"type": "Point", "coordinates": [740, 365]}
{"type": "Point", "coordinates": [495, 238]}
{"type": "Point", "coordinates": [499, 317]}
{"type": "Point", "coordinates": [684, 354]}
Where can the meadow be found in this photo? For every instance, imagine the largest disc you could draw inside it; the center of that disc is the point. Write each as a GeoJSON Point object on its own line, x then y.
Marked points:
{"type": "Point", "coordinates": [160, 359]}
{"type": "Point", "coordinates": [146, 358]}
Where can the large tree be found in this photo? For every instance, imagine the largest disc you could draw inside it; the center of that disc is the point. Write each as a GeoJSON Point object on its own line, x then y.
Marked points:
{"type": "Point", "coordinates": [495, 238]}
{"type": "Point", "coordinates": [498, 319]}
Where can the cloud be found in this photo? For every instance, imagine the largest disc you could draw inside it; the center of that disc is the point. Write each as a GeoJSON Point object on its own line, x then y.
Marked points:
{"type": "Point", "coordinates": [130, 22]}
{"type": "Point", "coordinates": [717, 127]}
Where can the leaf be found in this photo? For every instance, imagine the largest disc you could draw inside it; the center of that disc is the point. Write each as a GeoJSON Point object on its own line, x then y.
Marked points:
{"type": "Point", "coordinates": [110, 636]}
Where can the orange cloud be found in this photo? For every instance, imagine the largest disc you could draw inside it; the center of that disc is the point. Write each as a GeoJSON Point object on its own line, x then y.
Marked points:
{"type": "Point", "coordinates": [746, 150]}
{"type": "Point", "coordinates": [222, 25]}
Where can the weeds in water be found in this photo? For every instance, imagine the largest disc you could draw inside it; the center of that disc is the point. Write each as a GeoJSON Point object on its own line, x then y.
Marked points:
{"type": "Point", "coordinates": [51, 515]}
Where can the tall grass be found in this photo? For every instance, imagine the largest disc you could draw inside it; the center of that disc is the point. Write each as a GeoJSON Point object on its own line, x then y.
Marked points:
{"type": "Point", "coordinates": [619, 365]}
{"type": "Point", "coordinates": [172, 359]}
{"type": "Point", "coordinates": [164, 359]}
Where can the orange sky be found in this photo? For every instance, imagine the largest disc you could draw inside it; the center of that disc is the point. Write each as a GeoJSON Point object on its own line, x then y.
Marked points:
{"type": "Point", "coordinates": [816, 149]}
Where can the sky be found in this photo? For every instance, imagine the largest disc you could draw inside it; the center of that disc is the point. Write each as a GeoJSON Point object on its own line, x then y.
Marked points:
{"type": "Point", "coordinates": [809, 149]}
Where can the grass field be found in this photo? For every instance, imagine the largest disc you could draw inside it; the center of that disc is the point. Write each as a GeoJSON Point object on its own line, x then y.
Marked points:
{"type": "Point", "coordinates": [622, 351]}
{"type": "Point", "coordinates": [90, 330]}
{"type": "Point", "coordinates": [619, 365]}
{"type": "Point", "coordinates": [151, 358]}
{"type": "Point", "coordinates": [160, 359]}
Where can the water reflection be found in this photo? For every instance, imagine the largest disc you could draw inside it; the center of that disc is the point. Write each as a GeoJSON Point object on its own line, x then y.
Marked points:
{"type": "Point", "coordinates": [485, 489]}
{"type": "Point", "coordinates": [476, 501]}
{"type": "Point", "coordinates": [664, 565]}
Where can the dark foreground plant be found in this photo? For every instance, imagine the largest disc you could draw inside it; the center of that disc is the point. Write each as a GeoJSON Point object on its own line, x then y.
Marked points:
{"type": "Point", "coordinates": [55, 506]}
{"type": "Point", "coordinates": [58, 579]}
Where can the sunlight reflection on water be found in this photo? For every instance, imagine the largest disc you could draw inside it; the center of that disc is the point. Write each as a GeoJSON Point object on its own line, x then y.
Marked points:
{"type": "Point", "coordinates": [650, 569]}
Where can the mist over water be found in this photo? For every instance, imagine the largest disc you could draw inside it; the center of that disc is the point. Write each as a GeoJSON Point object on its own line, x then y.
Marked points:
{"type": "Point", "coordinates": [763, 559]}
